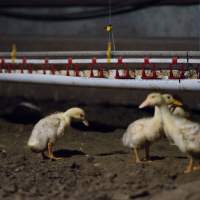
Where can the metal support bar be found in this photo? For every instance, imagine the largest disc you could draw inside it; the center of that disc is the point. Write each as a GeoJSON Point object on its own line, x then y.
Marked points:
{"type": "Point", "coordinates": [184, 54]}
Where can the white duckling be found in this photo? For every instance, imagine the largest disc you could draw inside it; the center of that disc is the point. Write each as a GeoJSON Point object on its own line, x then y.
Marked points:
{"type": "Point", "coordinates": [143, 132]}
{"type": "Point", "coordinates": [184, 133]}
{"type": "Point", "coordinates": [49, 129]}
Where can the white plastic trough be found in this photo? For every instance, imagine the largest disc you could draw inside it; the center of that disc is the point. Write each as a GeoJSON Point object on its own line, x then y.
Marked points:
{"type": "Point", "coordinates": [187, 84]}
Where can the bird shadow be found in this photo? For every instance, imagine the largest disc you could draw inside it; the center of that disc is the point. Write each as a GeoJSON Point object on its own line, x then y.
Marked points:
{"type": "Point", "coordinates": [154, 158]}
{"type": "Point", "coordinates": [112, 153]}
{"type": "Point", "coordinates": [181, 157]}
{"type": "Point", "coordinates": [93, 126]}
{"type": "Point", "coordinates": [66, 153]}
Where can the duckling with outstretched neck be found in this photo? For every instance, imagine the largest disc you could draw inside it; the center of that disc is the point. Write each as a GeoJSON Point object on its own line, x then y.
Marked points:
{"type": "Point", "coordinates": [184, 133]}
{"type": "Point", "coordinates": [49, 129]}
{"type": "Point", "coordinates": [143, 132]}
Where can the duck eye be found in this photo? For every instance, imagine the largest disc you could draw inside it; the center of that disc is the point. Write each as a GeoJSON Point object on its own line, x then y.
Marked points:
{"type": "Point", "coordinates": [168, 97]}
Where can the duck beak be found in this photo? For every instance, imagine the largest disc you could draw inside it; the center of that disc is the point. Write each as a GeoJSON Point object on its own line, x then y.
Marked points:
{"type": "Point", "coordinates": [85, 122]}
{"type": "Point", "coordinates": [144, 104]}
{"type": "Point", "coordinates": [177, 103]}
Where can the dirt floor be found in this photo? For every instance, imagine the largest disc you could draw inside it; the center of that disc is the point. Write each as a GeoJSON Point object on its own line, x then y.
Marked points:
{"type": "Point", "coordinates": [95, 164]}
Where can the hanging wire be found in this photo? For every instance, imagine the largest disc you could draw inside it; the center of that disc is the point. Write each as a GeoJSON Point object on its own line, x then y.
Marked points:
{"type": "Point", "coordinates": [109, 19]}
{"type": "Point", "coordinates": [110, 34]}
{"type": "Point", "coordinates": [109, 12]}
{"type": "Point", "coordinates": [113, 41]}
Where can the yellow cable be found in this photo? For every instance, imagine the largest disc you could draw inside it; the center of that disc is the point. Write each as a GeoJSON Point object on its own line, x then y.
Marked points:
{"type": "Point", "coordinates": [13, 53]}
{"type": "Point", "coordinates": [108, 52]}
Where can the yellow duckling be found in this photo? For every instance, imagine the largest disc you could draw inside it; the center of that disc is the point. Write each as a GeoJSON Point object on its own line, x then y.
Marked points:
{"type": "Point", "coordinates": [143, 132]}
{"type": "Point", "coordinates": [177, 110]}
{"type": "Point", "coordinates": [49, 129]}
{"type": "Point", "coordinates": [184, 133]}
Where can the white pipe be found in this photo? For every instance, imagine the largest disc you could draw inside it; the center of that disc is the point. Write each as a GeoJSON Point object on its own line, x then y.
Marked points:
{"type": "Point", "coordinates": [103, 53]}
{"type": "Point", "coordinates": [104, 60]}
{"type": "Point", "coordinates": [188, 84]}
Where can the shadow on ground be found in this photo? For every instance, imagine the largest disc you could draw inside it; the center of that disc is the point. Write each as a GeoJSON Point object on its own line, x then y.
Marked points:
{"type": "Point", "coordinates": [65, 153]}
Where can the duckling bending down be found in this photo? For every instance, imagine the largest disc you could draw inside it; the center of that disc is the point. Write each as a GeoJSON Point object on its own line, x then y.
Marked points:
{"type": "Point", "coordinates": [48, 129]}
{"type": "Point", "coordinates": [143, 132]}
{"type": "Point", "coordinates": [184, 133]}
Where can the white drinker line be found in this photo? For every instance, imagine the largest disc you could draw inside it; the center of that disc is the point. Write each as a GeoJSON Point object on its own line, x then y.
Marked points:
{"type": "Point", "coordinates": [104, 61]}
{"type": "Point", "coordinates": [185, 54]}
{"type": "Point", "coordinates": [187, 84]}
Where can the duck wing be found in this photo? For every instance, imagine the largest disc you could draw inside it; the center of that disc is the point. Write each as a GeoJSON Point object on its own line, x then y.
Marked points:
{"type": "Point", "coordinates": [134, 134]}
{"type": "Point", "coordinates": [189, 128]}
{"type": "Point", "coordinates": [138, 126]}
{"type": "Point", "coordinates": [53, 122]}
{"type": "Point", "coordinates": [43, 131]}
{"type": "Point", "coordinates": [58, 123]}
{"type": "Point", "coordinates": [61, 128]}
{"type": "Point", "coordinates": [191, 134]}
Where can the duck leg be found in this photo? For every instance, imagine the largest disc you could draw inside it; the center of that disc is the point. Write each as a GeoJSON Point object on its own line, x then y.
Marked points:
{"type": "Point", "coordinates": [137, 158]}
{"type": "Point", "coordinates": [50, 152]}
{"type": "Point", "coordinates": [44, 156]}
{"type": "Point", "coordinates": [190, 166]}
{"type": "Point", "coordinates": [147, 147]}
{"type": "Point", "coordinates": [197, 167]}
